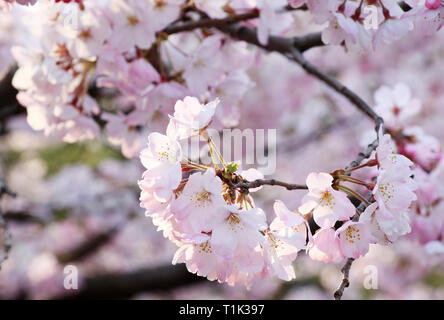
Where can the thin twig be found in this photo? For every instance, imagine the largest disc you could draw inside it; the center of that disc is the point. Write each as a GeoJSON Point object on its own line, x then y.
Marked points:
{"type": "Point", "coordinates": [333, 83]}
{"type": "Point", "coordinates": [271, 182]}
{"type": "Point", "coordinates": [345, 281]}
{"type": "Point", "coordinates": [209, 23]}
{"type": "Point", "coordinates": [348, 264]}
{"type": "Point", "coordinates": [7, 238]}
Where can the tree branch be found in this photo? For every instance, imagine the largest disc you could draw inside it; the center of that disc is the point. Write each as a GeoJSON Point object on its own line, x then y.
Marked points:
{"type": "Point", "coordinates": [333, 83]}
{"type": "Point", "coordinates": [126, 285]}
{"type": "Point", "coordinates": [276, 44]}
{"type": "Point", "coordinates": [271, 182]}
{"type": "Point", "coordinates": [6, 235]}
{"type": "Point", "coordinates": [209, 23]}
{"type": "Point", "coordinates": [345, 281]}
{"type": "Point", "coordinates": [89, 246]}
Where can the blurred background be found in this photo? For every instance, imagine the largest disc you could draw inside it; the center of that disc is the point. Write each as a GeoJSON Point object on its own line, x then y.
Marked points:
{"type": "Point", "coordinates": [77, 204]}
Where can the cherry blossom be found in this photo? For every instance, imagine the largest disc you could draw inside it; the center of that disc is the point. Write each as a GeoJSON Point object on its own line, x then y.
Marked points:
{"type": "Point", "coordinates": [325, 247]}
{"type": "Point", "coordinates": [354, 239]}
{"type": "Point", "coordinates": [396, 105]}
{"type": "Point", "coordinates": [138, 79]}
{"type": "Point", "coordinates": [287, 235]}
{"type": "Point", "coordinates": [200, 202]}
{"type": "Point", "coordinates": [190, 116]}
{"type": "Point", "coordinates": [328, 205]}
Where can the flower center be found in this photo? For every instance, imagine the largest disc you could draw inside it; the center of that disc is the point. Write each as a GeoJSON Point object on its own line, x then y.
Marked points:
{"type": "Point", "coordinates": [167, 155]}
{"type": "Point", "coordinates": [234, 223]}
{"type": "Point", "coordinates": [159, 4]}
{"type": "Point", "coordinates": [205, 247]}
{"type": "Point", "coordinates": [201, 199]}
{"type": "Point", "coordinates": [352, 234]}
{"type": "Point", "coordinates": [233, 219]}
{"type": "Point", "coordinates": [386, 190]}
{"type": "Point", "coordinates": [327, 200]}
{"type": "Point", "coordinates": [85, 34]}
{"type": "Point", "coordinates": [273, 241]}
{"type": "Point", "coordinates": [132, 20]}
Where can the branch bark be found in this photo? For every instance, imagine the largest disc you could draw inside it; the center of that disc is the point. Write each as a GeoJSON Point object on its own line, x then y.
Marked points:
{"type": "Point", "coordinates": [126, 285]}
{"type": "Point", "coordinates": [88, 247]}
{"type": "Point", "coordinates": [333, 83]}
{"type": "Point", "coordinates": [271, 182]}
{"type": "Point", "coordinates": [4, 231]}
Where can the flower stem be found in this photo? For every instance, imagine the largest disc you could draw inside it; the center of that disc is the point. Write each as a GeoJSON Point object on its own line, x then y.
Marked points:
{"type": "Point", "coordinates": [354, 180]}
{"type": "Point", "coordinates": [353, 193]}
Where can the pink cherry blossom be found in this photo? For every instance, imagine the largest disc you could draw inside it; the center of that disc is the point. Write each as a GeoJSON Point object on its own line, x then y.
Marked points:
{"type": "Point", "coordinates": [238, 231]}
{"type": "Point", "coordinates": [200, 203]}
{"type": "Point", "coordinates": [396, 106]}
{"type": "Point", "coordinates": [325, 247]}
{"type": "Point", "coordinates": [287, 235]}
{"type": "Point", "coordinates": [122, 134]}
{"type": "Point", "coordinates": [387, 156]}
{"type": "Point", "coordinates": [423, 148]}
{"type": "Point", "coordinates": [199, 257]}
{"type": "Point", "coordinates": [394, 189]}
{"type": "Point", "coordinates": [328, 205]}
{"type": "Point", "coordinates": [129, 27]}
{"type": "Point", "coordinates": [354, 239]}
{"type": "Point", "coordinates": [190, 116]}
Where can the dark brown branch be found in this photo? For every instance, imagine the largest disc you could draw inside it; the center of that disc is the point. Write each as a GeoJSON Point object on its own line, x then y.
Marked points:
{"type": "Point", "coordinates": [23, 217]}
{"type": "Point", "coordinates": [345, 281]}
{"type": "Point", "coordinates": [404, 6]}
{"type": "Point", "coordinates": [315, 135]}
{"type": "Point", "coordinates": [292, 49]}
{"type": "Point", "coordinates": [4, 231]}
{"type": "Point", "coordinates": [276, 44]}
{"type": "Point", "coordinates": [4, 189]}
{"type": "Point", "coordinates": [126, 285]}
{"type": "Point", "coordinates": [209, 23]}
{"type": "Point", "coordinates": [270, 182]}
{"type": "Point", "coordinates": [206, 22]}
{"type": "Point", "coordinates": [348, 264]}
{"type": "Point", "coordinates": [364, 155]}
{"type": "Point", "coordinates": [7, 91]}
{"type": "Point", "coordinates": [298, 57]}
{"type": "Point", "coordinates": [88, 247]}
{"type": "Point", "coordinates": [244, 185]}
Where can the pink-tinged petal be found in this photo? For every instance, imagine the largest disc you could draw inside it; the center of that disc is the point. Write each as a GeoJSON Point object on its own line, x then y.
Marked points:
{"type": "Point", "coordinates": [355, 238]}
{"type": "Point", "coordinates": [325, 247]}
{"type": "Point", "coordinates": [343, 208]}
{"type": "Point", "coordinates": [318, 182]}
{"type": "Point", "coordinates": [366, 216]}
{"type": "Point", "coordinates": [251, 175]}
{"type": "Point", "coordinates": [290, 218]}
{"type": "Point", "coordinates": [249, 260]}
{"type": "Point", "coordinates": [223, 240]}
{"type": "Point", "coordinates": [308, 204]}
{"type": "Point", "coordinates": [324, 217]}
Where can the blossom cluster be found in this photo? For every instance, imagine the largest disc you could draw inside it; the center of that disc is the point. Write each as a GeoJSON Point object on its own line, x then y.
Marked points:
{"type": "Point", "coordinates": [367, 24]}
{"type": "Point", "coordinates": [220, 233]}
{"type": "Point", "coordinates": [400, 108]}
{"type": "Point", "coordinates": [120, 68]}
{"type": "Point", "coordinates": [223, 236]}
{"type": "Point", "coordinates": [123, 48]}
